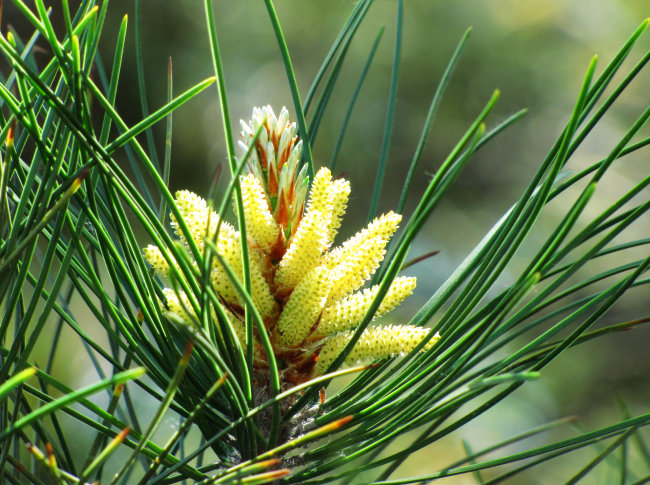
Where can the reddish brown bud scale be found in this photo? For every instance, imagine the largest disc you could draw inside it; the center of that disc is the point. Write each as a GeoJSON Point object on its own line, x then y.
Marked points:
{"type": "Point", "coordinates": [50, 455]}
{"type": "Point", "coordinates": [274, 475]}
{"type": "Point", "coordinates": [35, 451]}
{"type": "Point", "coordinates": [273, 181]}
{"type": "Point", "coordinates": [78, 181]}
{"type": "Point", "coordinates": [274, 138]}
{"type": "Point", "coordinates": [290, 191]}
{"type": "Point", "coordinates": [122, 434]}
{"type": "Point", "coordinates": [283, 157]}
{"type": "Point", "coordinates": [10, 134]}
{"type": "Point", "coordinates": [269, 463]}
{"type": "Point", "coordinates": [282, 211]}
{"type": "Point", "coordinates": [339, 423]}
{"type": "Point", "coordinates": [187, 353]}
{"type": "Point", "coordinates": [84, 173]}
{"type": "Point", "coordinates": [342, 422]}
{"type": "Point", "coordinates": [261, 152]}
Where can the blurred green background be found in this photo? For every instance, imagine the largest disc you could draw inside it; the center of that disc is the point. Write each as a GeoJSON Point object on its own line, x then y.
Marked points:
{"type": "Point", "coordinates": [535, 53]}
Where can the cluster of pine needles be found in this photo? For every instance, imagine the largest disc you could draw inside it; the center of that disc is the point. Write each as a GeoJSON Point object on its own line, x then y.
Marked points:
{"type": "Point", "coordinates": [234, 312]}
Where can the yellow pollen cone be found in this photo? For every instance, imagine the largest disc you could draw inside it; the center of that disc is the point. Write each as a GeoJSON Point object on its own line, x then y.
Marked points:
{"type": "Point", "coordinates": [374, 343]}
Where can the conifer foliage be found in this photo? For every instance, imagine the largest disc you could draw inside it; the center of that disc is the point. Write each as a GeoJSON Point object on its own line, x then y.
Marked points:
{"type": "Point", "coordinates": [232, 313]}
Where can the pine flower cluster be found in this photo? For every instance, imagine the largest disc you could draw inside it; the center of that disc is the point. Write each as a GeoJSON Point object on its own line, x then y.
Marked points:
{"type": "Point", "coordinates": [308, 293]}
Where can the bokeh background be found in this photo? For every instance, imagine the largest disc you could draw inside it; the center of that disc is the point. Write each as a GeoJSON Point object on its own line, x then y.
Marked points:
{"type": "Point", "coordinates": [535, 53]}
